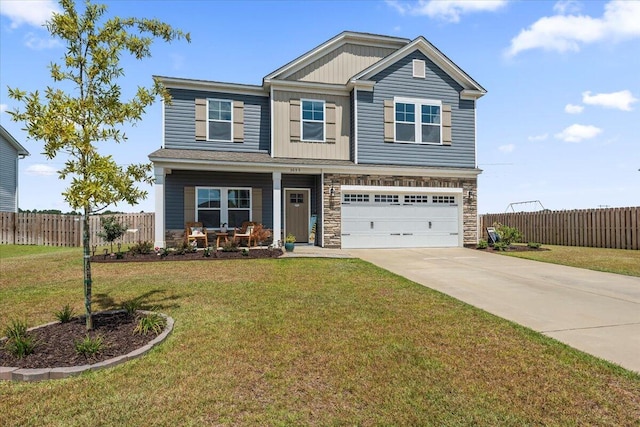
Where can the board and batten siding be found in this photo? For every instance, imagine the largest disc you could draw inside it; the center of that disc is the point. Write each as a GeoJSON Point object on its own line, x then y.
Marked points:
{"type": "Point", "coordinates": [181, 181]}
{"type": "Point", "coordinates": [8, 176]}
{"type": "Point", "coordinates": [397, 81]}
{"type": "Point", "coordinates": [339, 65]}
{"type": "Point", "coordinates": [180, 122]}
{"type": "Point", "coordinates": [284, 146]}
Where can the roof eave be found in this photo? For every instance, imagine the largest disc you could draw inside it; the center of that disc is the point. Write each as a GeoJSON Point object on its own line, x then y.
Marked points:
{"type": "Point", "coordinates": [19, 148]}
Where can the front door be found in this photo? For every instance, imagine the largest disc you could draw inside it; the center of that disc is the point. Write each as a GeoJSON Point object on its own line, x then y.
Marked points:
{"type": "Point", "coordinates": [296, 213]}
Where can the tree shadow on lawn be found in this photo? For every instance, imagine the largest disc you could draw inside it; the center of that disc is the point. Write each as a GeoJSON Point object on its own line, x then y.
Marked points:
{"type": "Point", "coordinates": [104, 301]}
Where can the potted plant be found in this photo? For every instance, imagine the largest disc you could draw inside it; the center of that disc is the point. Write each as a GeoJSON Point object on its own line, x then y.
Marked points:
{"type": "Point", "coordinates": [223, 227]}
{"type": "Point", "coordinates": [288, 242]}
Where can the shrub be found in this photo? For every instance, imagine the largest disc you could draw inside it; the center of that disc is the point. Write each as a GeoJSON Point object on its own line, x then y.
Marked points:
{"type": "Point", "coordinates": [230, 246]}
{"type": "Point", "coordinates": [500, 246]}
{"type": "Point", "coordinates": [132, 306]}
{"type": "Point", "coordinates": [534, 245]}
{"type": "Point", "coordinates": [207, 252]}
{"type": "Point", "coordinates": [19, 342]}
{"type": "Point", "coordinates": [141, 248]}
{"type": "Point", "coordinates": [482, 244]}
{"type": "Point", "coordinates": [261, 234]}
{"type": "Point", "coordinates": [152, 322]}
{"type": "Point", "coordinates": [65, 314]}
{"type": "Point", "coordinates": [112, 229]}
{"type": "Point", "coordinates": [89, 346]}
{"type": "Point", "coordinates": [507, 234]}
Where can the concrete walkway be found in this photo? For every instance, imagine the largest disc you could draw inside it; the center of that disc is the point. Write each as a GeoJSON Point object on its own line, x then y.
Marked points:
{"type": "Point", "coordinates": [598, 313]}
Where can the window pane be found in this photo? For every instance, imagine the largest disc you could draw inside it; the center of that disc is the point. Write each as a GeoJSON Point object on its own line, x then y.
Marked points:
{"type": "Point", "coordinates": [405, 112]}
{"type": "Point", "coordinates": [405, 132]}
{"type": "Point", "coordinates": [209, 218]}
{"type": "Point", "coordinates": [220, 131]}
{"type": "Point", "coordinates": [208, 198]}
{"type": "Point", "coordinates": [237, 217]}
{"type": "Point", "coordinates": [219, 110]}
{"type": "Point", "coordinates": [313, 131]}
{"type": "Point", "coordinates": [239, 199]}
{"type": "Point", "coordinates": [431, 114]}
{"type": "Point", "coordinates": [431, 133]}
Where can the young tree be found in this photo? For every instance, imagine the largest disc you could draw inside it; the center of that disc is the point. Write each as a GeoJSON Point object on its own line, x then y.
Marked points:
{"type": "Point", "coordinates": [90, 109]}
{"type": "Point", "coordinates": [111, 229]}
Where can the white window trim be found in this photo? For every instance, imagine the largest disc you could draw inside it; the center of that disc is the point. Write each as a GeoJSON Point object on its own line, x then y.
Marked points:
{"type": "Point", "coordinates": [221, 121]}
{"type": "Point", "coordinates": [324, 120]}
{"type": "Point", "coordinates": [418, 118]}
{"type": "Point", "coordinates": [224, 203]}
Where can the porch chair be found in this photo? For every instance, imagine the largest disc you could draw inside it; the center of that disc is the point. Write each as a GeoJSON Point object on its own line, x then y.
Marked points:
{"type": "Point", "coordinates": [245, 232]}
{"type": "Point", "coordinates": [194, 231]}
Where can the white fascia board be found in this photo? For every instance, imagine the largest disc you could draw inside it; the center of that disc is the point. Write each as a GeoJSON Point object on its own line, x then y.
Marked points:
{"type": "Point", "coordinates": [309, 87]}
{"type": "Point", "coordinates": [332, 44]}
{"type": "Point", "coordinates": [297, 168]}
{"type": "Point", "coordinates": [471, 94]}
{"type": "Point", "coordinates": [363, 85]}
{"type": "Point", "coordinates": [390, 188]}
{"type": "Point", "coordinates": [19, 148]}
{"type": "Point", "coordinates": [430, 52]}
{"type": "Point", "coordinates": [235, 88]}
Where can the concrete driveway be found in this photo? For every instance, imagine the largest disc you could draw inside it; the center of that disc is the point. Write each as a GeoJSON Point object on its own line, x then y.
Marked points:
{"type": "Point", "coordinates": [598, 313]}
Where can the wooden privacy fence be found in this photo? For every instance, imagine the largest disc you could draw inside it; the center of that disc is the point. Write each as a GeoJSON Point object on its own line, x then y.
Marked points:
{"type": "Point", "coordinates": [616, 228]}
{"type": "Point", "coordinates": [66, 230]}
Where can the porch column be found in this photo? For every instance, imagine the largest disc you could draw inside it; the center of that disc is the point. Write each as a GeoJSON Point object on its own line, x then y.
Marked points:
{"type": "Point", "coordinates": [159, 217]}
{"type": "Point", "coordinates": [277, 203]}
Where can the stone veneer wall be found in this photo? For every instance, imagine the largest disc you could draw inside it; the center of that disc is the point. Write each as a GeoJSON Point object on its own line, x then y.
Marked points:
{"type": "Point", "coordinates": [332, 204]}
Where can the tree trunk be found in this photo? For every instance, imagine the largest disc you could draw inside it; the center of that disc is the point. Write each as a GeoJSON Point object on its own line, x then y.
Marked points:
{"type": "Point", "coordinates": [87, 268]}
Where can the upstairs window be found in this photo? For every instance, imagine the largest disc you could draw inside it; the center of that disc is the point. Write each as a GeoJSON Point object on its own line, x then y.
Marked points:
{"type": "Point", "coordinates": [219, 120]}
{"type": "Point", "coordinates": [418, 121]}
{"type": "Point", "coordinates": [313, 120]}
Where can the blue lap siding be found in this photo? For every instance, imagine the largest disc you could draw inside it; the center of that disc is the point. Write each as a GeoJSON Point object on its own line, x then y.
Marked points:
{"type": "Point", "coordinates": [180, 124]}
{"type": "Point", "coordinates": [397, 80]}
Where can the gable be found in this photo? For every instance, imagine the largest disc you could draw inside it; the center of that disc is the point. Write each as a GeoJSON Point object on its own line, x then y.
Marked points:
{"type": "Point", "coordinates": [470, 89]}
{"type": "Point", "coordinates": [350, 50]}
{"type": "Point", "coordinates": [339, 65]}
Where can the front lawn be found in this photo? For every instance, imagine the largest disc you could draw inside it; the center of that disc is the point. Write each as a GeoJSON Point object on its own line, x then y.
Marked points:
{"type": "Point", "coordinates": [620, 261]}
{"type": "Point", "coordinates": [304, 342]}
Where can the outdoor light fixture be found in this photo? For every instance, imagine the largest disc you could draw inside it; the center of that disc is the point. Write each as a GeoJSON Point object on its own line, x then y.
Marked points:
{"type": "Point", "coordinates": [332, 191]}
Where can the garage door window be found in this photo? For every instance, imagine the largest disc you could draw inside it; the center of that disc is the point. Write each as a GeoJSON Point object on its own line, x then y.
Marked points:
{"type": "Point", "coordinates": [444, 200]}
{"type": "Point", "coordinates": [386, 198]}
{"type": "Point", "coordinates": [356, 198]}
{"type": "Point", "coordinates": [416, 198]}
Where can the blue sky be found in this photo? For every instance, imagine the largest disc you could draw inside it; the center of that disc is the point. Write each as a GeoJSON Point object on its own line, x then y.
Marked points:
{"type": "Point", "coordinates": [560, 122]}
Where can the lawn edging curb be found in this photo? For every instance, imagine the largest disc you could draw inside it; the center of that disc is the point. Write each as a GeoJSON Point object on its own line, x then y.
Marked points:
{"type": "Point", "coordinates": [8, 373]}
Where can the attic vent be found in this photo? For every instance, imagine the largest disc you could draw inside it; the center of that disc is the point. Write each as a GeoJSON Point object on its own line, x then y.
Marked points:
{"type": "Point", "coordinates": [419, 68]}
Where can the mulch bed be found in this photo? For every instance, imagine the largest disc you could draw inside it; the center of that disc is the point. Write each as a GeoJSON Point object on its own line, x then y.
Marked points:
{"type": "Point", "coordinates": [55, 343]}
{"type": "Point", "coordinates": [190, 256]}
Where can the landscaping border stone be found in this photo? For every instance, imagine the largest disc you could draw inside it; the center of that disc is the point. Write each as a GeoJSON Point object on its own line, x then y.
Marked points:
{"type": "Point", "coordinates": [8, 373]}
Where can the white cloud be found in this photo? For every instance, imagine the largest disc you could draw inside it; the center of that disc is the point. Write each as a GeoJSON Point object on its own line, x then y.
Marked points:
{"type": "Point", "coordinates": [446, 10]}
{"type": "Point", "coordinates": [564, 7]}
{"type": "Point", "coordinates": [573, 109]}
{"type": "Point", "coordinates": [620, 100]}
{"type": "Point", "coordinates": [577, 133]}
{"type": "Point", "coordinates": [38, 43]}
{"type": "Point", "coordinates": [34, 12]}
{"type": "Point", "coordinates": [40, 170]}
{"type": "Point", "coordinates": [562, 33]}
{"type": "Point", "coordinates": [536, 138]}
{"type": "Point", "coordinates": [507, 148]}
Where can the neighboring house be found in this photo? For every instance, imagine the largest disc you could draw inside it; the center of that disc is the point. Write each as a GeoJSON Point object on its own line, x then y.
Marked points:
{"type": "Point", "coordinates": [366, 141]}
{"type": "Point", "coordinates": [10, 152]}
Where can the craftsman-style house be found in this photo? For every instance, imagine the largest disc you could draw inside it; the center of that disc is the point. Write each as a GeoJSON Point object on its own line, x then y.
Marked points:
{"type": "Point", "coordinates": [366, 141]}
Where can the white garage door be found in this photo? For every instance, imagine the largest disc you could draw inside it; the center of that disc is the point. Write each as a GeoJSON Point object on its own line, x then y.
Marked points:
{"type": "Point", "coordinates": [388, 220]}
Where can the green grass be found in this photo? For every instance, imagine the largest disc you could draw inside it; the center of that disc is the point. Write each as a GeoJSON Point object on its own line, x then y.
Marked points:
{"type": "Point", "coordinates": [618, 261]}
{"type": "Point", "coordinates": [305, 342]}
